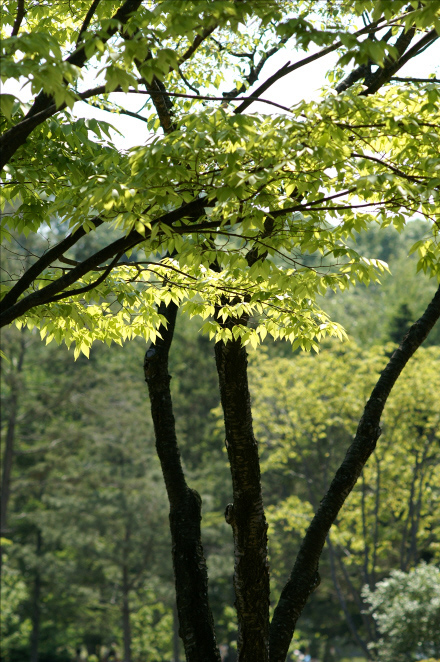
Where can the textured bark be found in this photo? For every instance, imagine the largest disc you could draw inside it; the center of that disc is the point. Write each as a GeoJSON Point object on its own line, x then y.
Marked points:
{"type": "Point", "coordinates": [304, 577]}
{"type": "Point", "coordinates": [246, 514]}
{"type": "Point", "coordinates": [195, 617]}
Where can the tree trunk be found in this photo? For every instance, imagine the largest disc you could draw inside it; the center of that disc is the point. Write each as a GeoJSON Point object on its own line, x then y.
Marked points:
{"type": "Point", "coordinates": [246, 514]}
{"type": "Point", "coordinates": [304, 577]}
{"type": "Point", "coordinates": [35, 607]}
{"type": "Point", "coordinates": [9, 442]}
{"type": "Point", "coordinates": [126, 628]}
{"type": "Point", "coordinates": [195, 617]}
{"type": "Point", "coordinates": [342, 601]}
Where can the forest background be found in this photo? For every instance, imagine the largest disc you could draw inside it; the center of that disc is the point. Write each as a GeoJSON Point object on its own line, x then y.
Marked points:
{"type": "Point", "coordinates": [88, 502]}
{"type": "Point", "coordinates": [86, 568]}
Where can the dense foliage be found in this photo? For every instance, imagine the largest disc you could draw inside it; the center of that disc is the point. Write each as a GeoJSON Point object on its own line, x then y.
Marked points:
{"type": "Point", "coordinates": [406, 607]}
{"type": "Point", "coordinates": [219, 184]}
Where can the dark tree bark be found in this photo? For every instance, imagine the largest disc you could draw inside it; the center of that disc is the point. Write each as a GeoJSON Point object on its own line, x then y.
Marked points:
{"type": "Point", "coordinates": [304, 577]}
{"type": "Point", "coordinates": [246, 514]}
{"type": "Point", "coordinates": [195, 617]}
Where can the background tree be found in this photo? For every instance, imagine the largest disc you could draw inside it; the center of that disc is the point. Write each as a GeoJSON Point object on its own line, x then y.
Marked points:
{"type": "Point", "coordinates": [408, 599]}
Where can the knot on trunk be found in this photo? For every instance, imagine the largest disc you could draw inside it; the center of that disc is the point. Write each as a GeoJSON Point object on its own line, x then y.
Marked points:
{"type": "Point", "coordinates": [229, 514]}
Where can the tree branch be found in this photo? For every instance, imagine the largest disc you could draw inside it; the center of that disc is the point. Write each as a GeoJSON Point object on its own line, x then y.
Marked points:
{"type": "Point", "coordinates": [304, 576]}
{"type": "Point", "coordinates": [382, 76]}
{"type": "Point", "coordinates": [117, 111]}
{"type": "Point", "coordinates": [411, 178]}
{"type": "Point", "coordinates": [415, 80]}
{"type": "Point", "coordinates": [42, 263]}
{"type": "Point", "coordinates": [18, 18]}
{"type": "Point", "coordinates": [86, 288]}
{"type": "Point", "coordinates": [44, 106]}
{"type": "Point", "coordinates": [255, 71]}
{"type": "Point", "coordinates": [87, 20]}
{"type": "Point", "coordinates": [288, 68]}
{"type": "Point", "coordinates": [196, 43]}
{"type": "Point", "coordinates": [192, 210]}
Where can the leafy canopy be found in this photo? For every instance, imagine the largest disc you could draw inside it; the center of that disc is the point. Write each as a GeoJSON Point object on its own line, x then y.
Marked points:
{"type": "Point", "coordinates": [216, 210]}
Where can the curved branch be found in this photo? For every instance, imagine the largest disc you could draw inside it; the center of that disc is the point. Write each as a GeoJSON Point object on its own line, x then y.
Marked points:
{"type": "Point", "coordinates": [193, 210]}
{"type": "Point", "coordinates": [304, 577]}
{"type": "Point", "coordinates": [382, 76]}
{"type": "Point", "coordinates": [288, 68]}
{"type": "Point", "coordinates": [196, 43]}
{"type": "Point", "coordinates": [18, 18]}
{"type": "Point", "coordinates": [42, 263]}
{"type": "Point", "coordinates": [89, 287]}
{"type": "Point", "coordinates": [255, 71]}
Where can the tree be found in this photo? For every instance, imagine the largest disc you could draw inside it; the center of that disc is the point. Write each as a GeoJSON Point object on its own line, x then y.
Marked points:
{"type": "Point", "coordinates": [306, 410]}
{"type": "Point", "coordinates": [220, 222]}
{"type": "Point", "coordinates": [88, 494]}
{"type": "Point", "coordinates": [406, 608]}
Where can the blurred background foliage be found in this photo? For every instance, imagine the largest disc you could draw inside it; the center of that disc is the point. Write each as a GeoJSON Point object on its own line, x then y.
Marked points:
{"type": "Point", "coordinates": [86, 548]}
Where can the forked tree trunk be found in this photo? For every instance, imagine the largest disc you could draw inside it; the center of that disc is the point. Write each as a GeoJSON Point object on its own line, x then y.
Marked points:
{"type": "Point", "coordinates": [195, 617]}
{"type": "Point", "coordinates": [246, 514]}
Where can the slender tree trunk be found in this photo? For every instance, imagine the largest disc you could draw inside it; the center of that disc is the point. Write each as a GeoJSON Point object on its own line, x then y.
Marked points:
{"type": "Point", "coordinates": [246, 514]}
{"type": "Point", "coordinates": [195, 617]}
{"type": "Point", "coordinates": [36, 612]}
{"type": "Point", "coordinates": [126, 627]}
{"type": "Point", "coordinates": [351, 625]}
{"type": "Point", "coordinates": [304, 577]}
{"type": "Point", "coordinates": [9, 442]}
{"type": "Point", "coordinates": [366, 619]}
